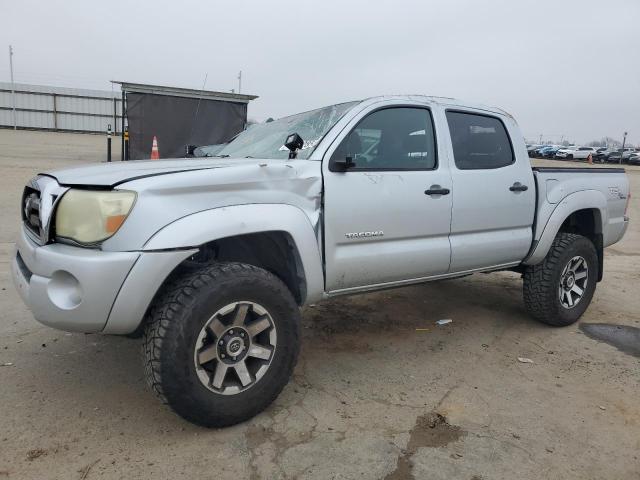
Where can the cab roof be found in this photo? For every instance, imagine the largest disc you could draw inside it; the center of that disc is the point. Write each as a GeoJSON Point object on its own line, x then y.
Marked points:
{"type": "Point", "coordinates": [444, 101]}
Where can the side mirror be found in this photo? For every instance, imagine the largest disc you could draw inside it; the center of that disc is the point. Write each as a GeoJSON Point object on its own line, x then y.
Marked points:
{"type": "Point", "coordinates": [342, 164]}
{"type": "Point", "coordinates": [294, 143]}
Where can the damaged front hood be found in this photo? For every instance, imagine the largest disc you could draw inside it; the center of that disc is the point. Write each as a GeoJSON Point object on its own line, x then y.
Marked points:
{"type": "Point", "coordinates": [115, 173]}
{"type": "Point", "coordinates": [219, 183]}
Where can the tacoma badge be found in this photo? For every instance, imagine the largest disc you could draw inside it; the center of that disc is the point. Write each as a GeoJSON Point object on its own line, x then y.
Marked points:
{"type": "Point", "coordinates": [378, 233]}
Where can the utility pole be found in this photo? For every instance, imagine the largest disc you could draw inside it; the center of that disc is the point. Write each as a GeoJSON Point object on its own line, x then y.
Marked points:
{"type": "Point", "coordinates": [13, 90]}
{"type": "Point", "coordinates": [240, 82]}
{"type": "Point", "coordinates": [624, 140]}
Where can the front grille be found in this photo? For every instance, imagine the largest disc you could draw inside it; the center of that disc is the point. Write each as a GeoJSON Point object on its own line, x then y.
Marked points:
{"type": "Point", "coordinates": [38, 206]}
{"type": "Point", "coordinates": [31, 211]}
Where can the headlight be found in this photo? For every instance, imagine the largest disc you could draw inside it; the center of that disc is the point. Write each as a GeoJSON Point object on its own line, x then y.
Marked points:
{"type": "Point", "coordinates": [91, 216]}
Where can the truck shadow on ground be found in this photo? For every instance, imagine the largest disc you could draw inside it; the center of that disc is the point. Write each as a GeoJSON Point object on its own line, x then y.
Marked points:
{"type": "Point", "coordinates": [401, 313]}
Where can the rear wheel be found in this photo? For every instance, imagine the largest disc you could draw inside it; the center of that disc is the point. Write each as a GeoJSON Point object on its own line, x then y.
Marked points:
{"type": "Point", "coordinates": [558, 290]}
{"type": "Point", "coordinates": [221, 342]}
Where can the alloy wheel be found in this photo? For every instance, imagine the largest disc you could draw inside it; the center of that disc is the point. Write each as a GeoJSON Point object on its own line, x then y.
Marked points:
{"type": "Point", "coordinates": [235, 348]}
{"type": "Point", "coordinates": [573, 282]}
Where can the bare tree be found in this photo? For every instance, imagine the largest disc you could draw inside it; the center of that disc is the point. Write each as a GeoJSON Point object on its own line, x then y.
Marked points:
{"type": "Point", "coordinates": [611, 142]}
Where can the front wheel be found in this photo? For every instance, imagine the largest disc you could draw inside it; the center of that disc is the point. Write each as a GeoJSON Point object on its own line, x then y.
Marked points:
{"type": "Point", "coordinates": [558, 290]}
{"type": "Point", "coordinates": [221, 343]}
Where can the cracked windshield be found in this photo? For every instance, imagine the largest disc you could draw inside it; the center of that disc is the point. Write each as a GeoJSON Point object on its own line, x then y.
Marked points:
{"type": "Point", "coordinates": [266, 140]}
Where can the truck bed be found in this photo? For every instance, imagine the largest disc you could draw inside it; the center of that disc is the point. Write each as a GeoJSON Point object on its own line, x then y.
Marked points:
{"type": "Point", "coordinates": [558, 187]}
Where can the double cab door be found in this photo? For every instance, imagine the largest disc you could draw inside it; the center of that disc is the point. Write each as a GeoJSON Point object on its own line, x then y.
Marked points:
{"type": "Point", "coordinates": [401, 205]}
{"type": "Point", "coordinates": [380, 226]}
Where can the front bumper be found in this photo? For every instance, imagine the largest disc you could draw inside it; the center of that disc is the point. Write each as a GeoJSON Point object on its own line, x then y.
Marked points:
{"type": "Point", "coordinates": [80, 289]}
{"type": "Point", "coordinates": [69, 288]}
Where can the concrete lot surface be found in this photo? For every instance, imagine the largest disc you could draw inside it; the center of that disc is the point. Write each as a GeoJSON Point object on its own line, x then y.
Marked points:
{"type": "Point", "coordinates": [380, 391]}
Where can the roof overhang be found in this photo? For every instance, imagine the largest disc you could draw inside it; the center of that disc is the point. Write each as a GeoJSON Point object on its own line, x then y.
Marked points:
{"type": "Point", "coordinates": [184, 92]}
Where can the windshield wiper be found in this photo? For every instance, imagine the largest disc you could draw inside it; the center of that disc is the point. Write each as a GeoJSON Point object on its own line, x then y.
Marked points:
{"type": "Point", "coordinates": [220, 156]}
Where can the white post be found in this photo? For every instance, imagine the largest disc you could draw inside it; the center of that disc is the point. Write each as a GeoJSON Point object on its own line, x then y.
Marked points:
{"type": "Point", "coordinates": [240, 82]}
{"type": "Point", "coordinates": [13, 90]}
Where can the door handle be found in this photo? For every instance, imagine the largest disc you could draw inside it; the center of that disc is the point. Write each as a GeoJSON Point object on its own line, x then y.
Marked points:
{"type": "Point", "coordinates": [518, 187]}
{"type": "Point", "coordinates": [437, 190]}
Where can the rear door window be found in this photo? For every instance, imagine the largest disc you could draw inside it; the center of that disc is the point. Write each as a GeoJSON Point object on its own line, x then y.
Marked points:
{"type": "Point", "coordinates": [479, 141]}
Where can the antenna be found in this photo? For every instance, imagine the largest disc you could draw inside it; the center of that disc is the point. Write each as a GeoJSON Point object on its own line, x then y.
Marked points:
{"type": "Point", "coordinates": [240, 82]}
{"type": "Point", "coordinates": [195, 117]}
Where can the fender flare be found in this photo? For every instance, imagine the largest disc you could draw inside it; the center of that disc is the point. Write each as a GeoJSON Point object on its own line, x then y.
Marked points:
{"type": "Point", "coordinates": [583, 200]}
{"type": "Point", "coordinates": [209, 225]}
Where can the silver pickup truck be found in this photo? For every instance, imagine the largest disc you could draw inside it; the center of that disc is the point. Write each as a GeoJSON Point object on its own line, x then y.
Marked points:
{"type": "Point", "coordinates": [211, 259]}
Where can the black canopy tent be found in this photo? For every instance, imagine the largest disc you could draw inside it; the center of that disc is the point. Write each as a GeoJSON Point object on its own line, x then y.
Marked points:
{"type": "Point", "coordinates": [178, 117]}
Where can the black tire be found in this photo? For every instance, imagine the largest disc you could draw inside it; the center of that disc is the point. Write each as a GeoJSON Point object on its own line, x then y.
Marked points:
{"type": "Point", "coordinates": [542, 281]}
{"type": "Point", "coordinates": [176, 319]}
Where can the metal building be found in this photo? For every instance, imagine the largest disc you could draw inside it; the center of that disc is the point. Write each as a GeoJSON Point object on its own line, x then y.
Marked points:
{"type": "Point", "coordinates": [58, 108]}
{"type": "Point", "coordinates": [177, 117]}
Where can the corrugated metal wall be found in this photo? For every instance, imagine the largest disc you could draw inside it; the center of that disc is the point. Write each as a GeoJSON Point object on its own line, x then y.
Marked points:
{"type": "Point", "coordinates": [57, 108]}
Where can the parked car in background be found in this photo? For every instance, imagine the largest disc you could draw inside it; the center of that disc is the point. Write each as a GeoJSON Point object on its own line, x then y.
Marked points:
{"type": "Point", "coordinates": [551, 151]}
{"type": "Point", "coordinates": [620, 155]}
{"type": "Point", "coordinates": [597, 157]}
{"type": "Point", "coordinates": [564, 153]}
{"type": "Point", "coordinates": [531, 149]}
{"type": "Point", "coordinates": [614, 157]}
{"type": "Point", "coordinates": [603, 154]}
{"type": "Point", "coordinates": [627, 153]}
{"type": "Point", "coordinates": [575, 152]}
{"type": "Point", "coordinates": [208, 150]}
{"type": "Point", "coordinates": [634, 159]}
{"type": "Point", "coordinates": [539, 152]}
{"type": "Point", "coordinates": [536, 152]}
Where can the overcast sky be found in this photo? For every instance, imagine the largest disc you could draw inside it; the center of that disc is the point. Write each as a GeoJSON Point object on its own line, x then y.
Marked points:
{"type": "Point", "coordinates": [568, 67]}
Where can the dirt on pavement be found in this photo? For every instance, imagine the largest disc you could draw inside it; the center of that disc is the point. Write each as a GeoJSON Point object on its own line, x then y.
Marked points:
{"type": "Point", "coordinates": [380, 390]}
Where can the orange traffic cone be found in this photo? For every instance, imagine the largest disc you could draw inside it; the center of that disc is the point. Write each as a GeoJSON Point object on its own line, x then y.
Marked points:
{"type": "Point", "coordinates": [155, 153]}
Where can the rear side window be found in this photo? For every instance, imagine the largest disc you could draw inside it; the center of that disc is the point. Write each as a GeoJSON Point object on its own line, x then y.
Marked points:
{"type": "Point", "coordinates": [479, 141]}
